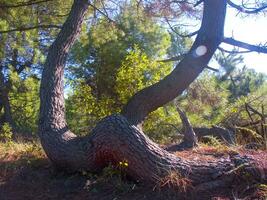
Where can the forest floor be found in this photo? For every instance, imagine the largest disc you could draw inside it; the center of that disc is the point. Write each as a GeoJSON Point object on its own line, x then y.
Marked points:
{"type": "Point", "coordinates": [26, 174]}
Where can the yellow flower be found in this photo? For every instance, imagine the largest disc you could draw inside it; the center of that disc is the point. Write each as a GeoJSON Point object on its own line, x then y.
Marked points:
{"type": "Point", "coordinates": [126, 164]}
{"type": "Point", "coordinates": [234, 110]}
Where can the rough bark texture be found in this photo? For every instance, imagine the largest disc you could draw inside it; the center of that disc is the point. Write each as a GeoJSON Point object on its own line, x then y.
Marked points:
{"type": "Point", "coordinates": [53, 130]}
{"type": "Point", "coordinates": [114, 139]}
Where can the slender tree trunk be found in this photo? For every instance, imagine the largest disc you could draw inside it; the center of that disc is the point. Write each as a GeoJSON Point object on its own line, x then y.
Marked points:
{"type": "Point", "coordinates": [5, 102]}
{"type": "Point", "coordinates": [7, 109]}
{"type": "Point", "coordinates": [190, 138]}
{"type": "Point", "coordinates": [114, 139]}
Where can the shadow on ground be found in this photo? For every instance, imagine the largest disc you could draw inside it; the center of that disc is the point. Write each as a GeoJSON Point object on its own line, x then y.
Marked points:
{"type": "Point", "coordinates": [35, 179]}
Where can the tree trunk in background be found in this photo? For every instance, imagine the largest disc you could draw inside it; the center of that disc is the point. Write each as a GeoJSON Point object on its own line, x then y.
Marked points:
{"type": "Point", "coordinates": [7, 109]}
{"type": "Point", "coordinates": [5, 103]}
{"type": "Point", "coordinates": [114, 139]}
{"type": "Point", "coordinates": [216, 131]}
{"type": "Point", "coordinates": [190, 138]}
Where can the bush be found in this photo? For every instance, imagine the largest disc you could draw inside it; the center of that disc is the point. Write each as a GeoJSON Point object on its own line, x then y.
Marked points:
{"type": "Point", "coordinates": [6, 132]}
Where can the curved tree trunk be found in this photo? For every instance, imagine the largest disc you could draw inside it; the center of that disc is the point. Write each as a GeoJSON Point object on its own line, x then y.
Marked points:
{"type": "Point", "coordinates": [53, 130]}
{"type": "Point", "coordinates": [114, 139]}
{"type": "Point", "coordinates": [209, 37]}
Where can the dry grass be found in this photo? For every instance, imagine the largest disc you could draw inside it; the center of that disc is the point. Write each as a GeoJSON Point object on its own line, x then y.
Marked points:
{"type": "Point", "coordinates": [15, 155]}
{"type": "Point", "coordinates": [205, 153]}
{"type": "Point", "coordinates": [29, 160]}
{"type": "Point", "coordinates": [174, 180]}
{"type": "Point", "coordinates": [16, 150]}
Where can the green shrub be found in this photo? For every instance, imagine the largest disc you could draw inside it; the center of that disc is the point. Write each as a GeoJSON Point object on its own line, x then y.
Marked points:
{"type": "Point", "coordinates": [6, 132]}
{"type": "Point", "coordinates": [211, 141]}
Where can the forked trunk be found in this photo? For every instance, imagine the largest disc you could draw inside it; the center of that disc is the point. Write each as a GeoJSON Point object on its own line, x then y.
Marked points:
{"type": "Point", "coordinates": [114, 139]}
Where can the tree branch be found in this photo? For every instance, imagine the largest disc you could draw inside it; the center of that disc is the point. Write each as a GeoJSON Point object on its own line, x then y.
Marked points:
{"type": "Point", "coordinates": [175, 58]}
{"type": "Point", "coordinates": [244, 45]}
{"type": "Point", "coordinates": [180, 57]}
{"type": "Point", "coordinates": [212, 69]}
{"type": "Point", "coordinates": [22, 28]}
{"type": "Point", "coordinates": [29, 3]}
{"type": "Point", "coordinates": [233, 51]}
{"type": "Point", "coordinates": [193, 63]}
{"type": "Point", "coordinates": [243, 10]}
{"type": "Point", "coordinates": [105, 14]}
{"type": "Point", "coordinates": [179, 34]}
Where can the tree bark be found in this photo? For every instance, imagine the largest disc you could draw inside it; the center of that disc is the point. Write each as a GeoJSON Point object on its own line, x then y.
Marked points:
{"type": "Point", "coordinates": [58, 142]}
{"type": "Point", "coordinates": [114, 139]}
{"type": "Point", "coordinates": [190, 138]}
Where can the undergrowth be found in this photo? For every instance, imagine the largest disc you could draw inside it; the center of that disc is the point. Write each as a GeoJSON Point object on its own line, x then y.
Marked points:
{"type": "Point", "coordinates": [15, 155]}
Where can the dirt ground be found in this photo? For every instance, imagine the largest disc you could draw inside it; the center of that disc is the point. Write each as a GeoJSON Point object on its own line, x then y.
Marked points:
{"type": "Point", "coordinates": [22, 178]}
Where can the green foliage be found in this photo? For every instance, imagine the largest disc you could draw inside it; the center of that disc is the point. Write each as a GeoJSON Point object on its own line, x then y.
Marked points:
{"type": "Point", "coordinates": [246, 135]}
{"type": "Point", "coordinates": [160, 124]}
{"type": "Point", "coordinates": [211, 141]}
{"type": "Point", "coordinates": [179, 45]}
{"type": "Point", "coordinates": [204, 100]}
{"type": "Point", "coordinates": [22, 52]}
{"type": "Point", "coordinates": [29, 42]}
{"type": "Point", "coordinates": [6, 132]}
{"type": "Point", "coordinates": [97, 56]}
{"type": "Point", "coordinates": [24, 100]}
{"type": "Point", "coordinates": [239, 81]}
{"type": "Point", "coordinates": [111, 63]}
{"type": "Point", "coordinates": [84, 109]}
{"type": "Point", "coordinates": [137, 72]}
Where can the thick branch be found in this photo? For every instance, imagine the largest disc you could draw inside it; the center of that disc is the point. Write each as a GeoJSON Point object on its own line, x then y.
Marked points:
{"type": "Point", "coordinates": [177, 58]}
{"type": "Point", "coordinates": [114, 140]}
{"type": "Point", "coordinates": [209, 37]}
{"type": "Point", "coordinates": [233, 51]}
{"type": "Point", "coordinates": [190, 138]}
{"type": "Point", "coordinates": [245, 45]}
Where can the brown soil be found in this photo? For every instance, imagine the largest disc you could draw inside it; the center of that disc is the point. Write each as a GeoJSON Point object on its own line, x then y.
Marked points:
{"type": "Point", "coordinates": [37, 180]}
